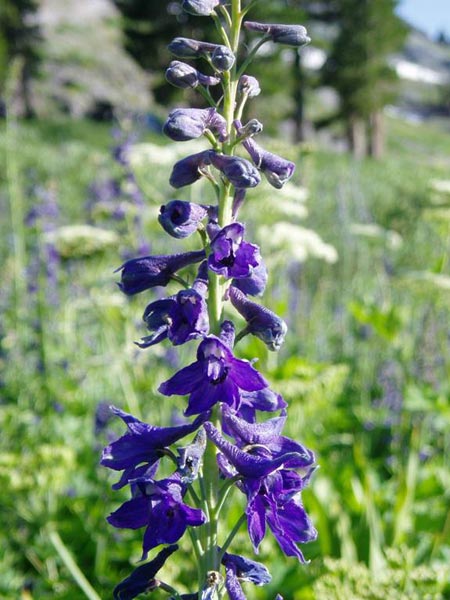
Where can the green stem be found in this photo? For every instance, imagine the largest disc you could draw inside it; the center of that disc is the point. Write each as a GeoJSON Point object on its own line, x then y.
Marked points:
{"type": "Point", "coordinates": [232, 535]}
{"type": "Point", "coordinates": [252, 54]}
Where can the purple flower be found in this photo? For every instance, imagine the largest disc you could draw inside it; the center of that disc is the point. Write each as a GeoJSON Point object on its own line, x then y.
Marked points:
{"type": "Point", "coordinates": [139, 274]}
{"type": "Point", "coordinates": [255, 283]}
{"type": "Point", "coordinates": [142, 579]}
{"type": "Point", "coordinates": [189, 123]}
{"type": "Point", "coordinates": [239, 171]}
{"type": "Point", "coordinates": [184, 76]}
{"type": "Point", "coordinates": [180, 318]}
{"type": "Point", "coordinates": [290, 35]}
{"type": "Point", "coordinates": [238, 568]}
{"type": "Point", "coordinates": [266, 460]}
{"type": "Point", "coordinates": [180, 219]}
{"type": "Point", "coordinates": [277, 170]}
{"type": "Point", "coordinates": [189, 169]}
{"type": "Point", "coordinates": [158, 506]}
{"type": "Point", "coordinates": [201, 8]}
{"type": "Point", "coordinates": [230, 255]}
{"type": "Point", "coordinates": [249, 86]}
{"type": "Point", "coordinates": [259, 459]}
{"type": "Point", "coordinates": [222, 58]}
{"type": "Point", "coordinates": [261, 322]}
{"type": "Point", "coordinates": [142, 446]}
{"type": "Point", "coordinates": [216, 376]}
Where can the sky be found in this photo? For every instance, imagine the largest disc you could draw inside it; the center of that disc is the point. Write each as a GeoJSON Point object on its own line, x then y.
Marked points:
{"type": "Point", "coordinates": [431, 16]}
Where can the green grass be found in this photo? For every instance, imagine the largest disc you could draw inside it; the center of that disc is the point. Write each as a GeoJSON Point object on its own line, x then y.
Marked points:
{"type": "Point", "coordinates": [360, 329]}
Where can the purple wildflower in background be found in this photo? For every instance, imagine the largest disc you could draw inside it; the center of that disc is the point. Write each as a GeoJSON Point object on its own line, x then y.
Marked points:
{"type": "Point", "coordinates": [139, 274]}
{"type": "Point", "coordinates": [189, 123]}
{"type": "Point", "coordinates": [180, 219]}
{"type": "Point", "coordinates": [289, 35]}
{"type": "Point", "coordinates": [231, 256]}
{"type": "Point", "coordinates": [216, 376]}
{"type": "Point", "coordinates": [184, 76]}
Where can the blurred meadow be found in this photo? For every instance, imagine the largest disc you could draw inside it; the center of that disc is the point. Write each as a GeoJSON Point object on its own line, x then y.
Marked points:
{"type": "Point", "coordinates": [358, 252]}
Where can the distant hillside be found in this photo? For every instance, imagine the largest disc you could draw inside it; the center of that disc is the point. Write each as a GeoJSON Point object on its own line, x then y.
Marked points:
{"type": "Point", "coordinates": [85, 69]}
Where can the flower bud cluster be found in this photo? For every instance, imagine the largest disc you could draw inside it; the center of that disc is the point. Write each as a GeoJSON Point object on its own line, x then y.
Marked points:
{"type": "Point", "coordinates": [224, 394]}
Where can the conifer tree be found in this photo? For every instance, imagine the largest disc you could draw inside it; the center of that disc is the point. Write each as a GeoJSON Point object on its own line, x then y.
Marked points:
{"type": "Point", "coordinates": [357, 68]}
{"type": "Point", "coordinates": [20, 39]}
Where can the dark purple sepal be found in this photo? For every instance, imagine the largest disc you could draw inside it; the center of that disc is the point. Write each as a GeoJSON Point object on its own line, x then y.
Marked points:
{"type": "Point", "coordinates": [248, 465]}
{"type": "Point", "coordinates": [139, 274]}
{"type": "Point", "coordinates": [231, 256]}
{"type": "Point", "coordinates": [142, 579]}
{"type": "Point", "coordinates": [142, 443]}
{"type": "Point", "coordinates": [255, 283]}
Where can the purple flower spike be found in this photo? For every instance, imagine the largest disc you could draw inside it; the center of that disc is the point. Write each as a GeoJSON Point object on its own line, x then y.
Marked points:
{"type": "Point", "coordinates": [222, 58]}
{"type": "Point", "coordinates": [249, 86]}
{"type": "Point", "coordinates": [185, 124]}
{"type": "Point", "coordinates": [183, 76]}
{"type": "Point", "coordinates": [188, 170]}
{"type": "Point", "coordinates": [255, 283]}
{"type": "Point", "coordinates": [141, 445]}
{"type": "Point", "coordinates": [216, 376]}
{"type": "Point", "coordinates": [201, 8]}
{"type": "Point", "coordinates": [231, 256]}
{"type": "Point", "coordinates": [261, 322]}
{"type": "Point", "coordinates": [180, 219]}
{"type": "Point", "coordinates": [239, 171]}
{"type": "Point", "coordinates": [289, 35]}
{"type": "Point", "coordinates": [142, 579]}
{"type": "Point", "coordinates": [158, 506]}
{"type": "Point", "coordinates": [139, 274]}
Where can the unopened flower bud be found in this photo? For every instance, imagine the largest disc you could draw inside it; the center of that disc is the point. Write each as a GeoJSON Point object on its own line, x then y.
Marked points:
{"type": "Point", "coordinates": [188, 170]}
{"type": "Point", "coordinates": [139, 274]}
{"type": "Point", "coordinates": [180, 219]}
{"type": "Point", "coordinates": [289, 35]}
{"type": "Point", "coordinates": [184, 76]}
{"type": "Point", "coordinates": [189, 123]}
{"type": "Point", "coordinates": [222, 58]}
{"type": "Point", "coordinates": [253, 127]}
{"type": "Point", "coordinates": [239, 171]}
{"type": "Point", "coordinates": [261, 322]}
{"type": "Point", "coordinates": [249, 86]}
{"type": "Point", "coordinates": [201, 8]}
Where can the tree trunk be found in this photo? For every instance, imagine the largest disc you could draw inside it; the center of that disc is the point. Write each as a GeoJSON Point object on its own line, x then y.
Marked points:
{"type": "Point", "coordinates": [299, 99]}
{"type": "Point", "coordinates": [377, 134]}
{"type": "Point", "coordinates": [356, 134]}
